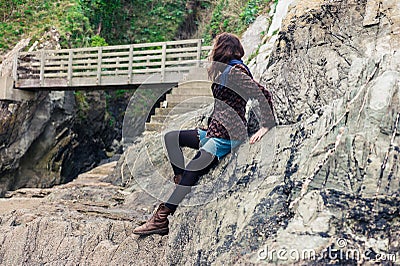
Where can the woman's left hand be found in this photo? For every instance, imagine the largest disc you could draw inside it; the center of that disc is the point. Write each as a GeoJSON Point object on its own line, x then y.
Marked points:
{"type": "Point", "coordinates": [258, 135]}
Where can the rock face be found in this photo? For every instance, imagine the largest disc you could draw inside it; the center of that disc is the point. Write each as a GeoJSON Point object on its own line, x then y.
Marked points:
{"type": "Point", "coordinates": [320, 188]}
{"type": "Point", "coordinates": [23, 126]}
{"type": "Point", "coordinates": [85, 222]}
{"type": "Point", "coordinates": [319, 48]}
{"type": "Point", "coordinates": [332, 184]}
{"type": "Point", "coordinates": [52, 139]}
{"type": "Point", "coordinates": [252, 37]}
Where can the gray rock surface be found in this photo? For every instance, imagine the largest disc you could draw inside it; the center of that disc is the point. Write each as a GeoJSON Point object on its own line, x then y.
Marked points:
{"type": "Point", "coordinates": [253, 36]}
{"type": "Point", "coordinates": [85, 222]}
{"type": "Point", "coordinates": [334, 177]}
{"type": "Point", "coordinates": [320, 188]}
{"type": "Point", "coordinates": [47, 141]}
{"type": "Point", "coordinates": [320, 45]}
{"type": "Point", "coordinates": [280, 11]}
{"type": "Point", "coordinates": [23, 125]}
{"type": "Point", "coordinates": [260, 61]}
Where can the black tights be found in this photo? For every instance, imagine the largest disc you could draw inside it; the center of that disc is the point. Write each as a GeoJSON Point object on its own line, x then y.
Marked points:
{"type": "Point", "coordinates": [201, 163]}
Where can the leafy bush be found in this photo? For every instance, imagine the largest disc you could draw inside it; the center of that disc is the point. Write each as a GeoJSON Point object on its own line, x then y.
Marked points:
{"type": "Point", "coordinates": [157, 20]}
{"type": "Point", "coordinates": [75, 28]}
{"type": "Point", "coordinates": [250, 12]}
{"type": "Point", "coordinates": [123, 21]}
{"type": "Point", "coordinates": [31, 18]}
{"type": "Point", "coordinates": [97, 41]}
{"type": "Point", "coordinates": [100, 22]}
{"type": "Point", "coordinates": [234, 16]}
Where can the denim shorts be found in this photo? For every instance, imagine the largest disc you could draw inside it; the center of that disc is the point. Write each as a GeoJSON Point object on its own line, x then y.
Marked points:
{"type": "Point", "coordinates": [217, 146]}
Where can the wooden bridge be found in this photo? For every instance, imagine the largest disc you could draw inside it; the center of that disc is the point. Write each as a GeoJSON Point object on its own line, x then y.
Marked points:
{"type": "Point", "coordinates": [96, 67]}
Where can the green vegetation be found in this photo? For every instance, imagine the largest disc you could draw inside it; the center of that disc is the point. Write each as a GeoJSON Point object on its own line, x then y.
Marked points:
{"type": "Point", "coordinates": [97, 41]}
{"type": "Point", "coordinates": [135, 21]}
{"type": "Point", "coordinates": [106, 16]}
{"type": "Point", "coordinates": [157, 20]}
{"type": "Point", "coordinates": [84, 23]}
{"type": "Point", "coordinates": [82, 104]}
{"type": "Point", "coordinates": [31, 18]}
{"type": "Point", "coordinates": [253, 55]}
{"type": "Point", "coordinates": [121, 93]}
{"type": "Point", "coordinates": [234, 16]}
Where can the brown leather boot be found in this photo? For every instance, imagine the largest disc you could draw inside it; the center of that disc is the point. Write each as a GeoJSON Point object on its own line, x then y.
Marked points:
{"type": "Point", "coordinates": [177, 179]}
{"type": "Point", "coordinates": [157, 224]}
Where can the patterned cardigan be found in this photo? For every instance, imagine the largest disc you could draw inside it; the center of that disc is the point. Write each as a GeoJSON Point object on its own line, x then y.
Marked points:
{"type": "Point", "coordinates": [228, 118]}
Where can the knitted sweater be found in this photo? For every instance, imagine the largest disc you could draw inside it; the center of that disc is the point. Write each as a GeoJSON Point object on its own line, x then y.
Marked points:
{"type": "Point", "coordinates": [228, 118]}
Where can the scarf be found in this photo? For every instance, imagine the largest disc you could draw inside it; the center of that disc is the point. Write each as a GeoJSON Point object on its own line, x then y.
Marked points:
{"type": "Point", "coordinates": [224, 76]}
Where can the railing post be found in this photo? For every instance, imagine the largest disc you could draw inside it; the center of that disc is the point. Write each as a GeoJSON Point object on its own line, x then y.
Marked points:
{"type": "Point", "coordinates": [42, 62]}
{"type": "Point", "coordinates": [70, 57]}
{"type": "Point", "coordinates": [163, 61]}
{"type": "Point", "coordinates": [130, 64]}
{"type": "Point", "coordinates": [15, 67]}
{"type": "Point", "coordinates": [199, 43]}
{"type": "Point", "coordinates": [99, 58]}
{"type": "Point", "coordinates": [117, 66]}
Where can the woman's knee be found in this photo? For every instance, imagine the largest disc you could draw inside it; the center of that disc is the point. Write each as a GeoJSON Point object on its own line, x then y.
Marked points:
{"type": "Point", "coordinates": [171, 136]}
{"type": "Point", "coordinates": [201, 161]}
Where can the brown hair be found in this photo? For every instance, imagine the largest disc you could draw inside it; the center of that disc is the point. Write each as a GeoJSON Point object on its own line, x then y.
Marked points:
{"type": "Point", "coordinates": [227, 46]}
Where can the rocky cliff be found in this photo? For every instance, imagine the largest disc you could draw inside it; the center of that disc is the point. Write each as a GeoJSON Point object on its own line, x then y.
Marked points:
{"type": "Point", "coordinates": [47, 141]}
{"type": "Point", "coordinates": [320, 188]}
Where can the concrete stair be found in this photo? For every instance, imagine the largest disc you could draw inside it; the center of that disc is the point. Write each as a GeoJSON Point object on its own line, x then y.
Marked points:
{"type": "Point", "coordinates": [170, 110]}
{"type": "Point", "coordinates": [154, 126]}
{"type": "Point", "coordinates": [175, 98]}
{"type": "Point", "coordinates": [188, 96]}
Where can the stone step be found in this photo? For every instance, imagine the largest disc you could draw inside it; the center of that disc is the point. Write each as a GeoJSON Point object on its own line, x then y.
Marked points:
{"type": "Point", "coordinates": [160, 123]}
{"type": "Point", "coordinates": [192, 98]}
{"type": "Point", "coordinates": [188, 96]}
{"type": "Point", "coordinates": [198, 73]}
{"type": "Point", "coordinates": [195, 84]}
{"type": "Point", "coordinates": [170, 110]}
{"type": "Point", "coordinates": [191, 91]}
{"type": "Point", "coordinates": [159, 118]}
{"type": "Point", "coordinates": [163, 118]}
{"type": "Point", "coordinates": [191, 104]}
{"type": "Point", "coordinates": [159, 127]}
{"type": "Point", "coordinates": [154, 126]}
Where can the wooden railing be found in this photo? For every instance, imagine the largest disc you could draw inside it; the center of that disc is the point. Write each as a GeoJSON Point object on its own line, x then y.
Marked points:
{"type": "Point", "coordinates": [161, 62]}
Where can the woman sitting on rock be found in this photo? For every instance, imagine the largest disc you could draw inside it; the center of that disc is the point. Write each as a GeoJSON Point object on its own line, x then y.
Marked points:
{"type": "Point", "coordinates": [232, 86]}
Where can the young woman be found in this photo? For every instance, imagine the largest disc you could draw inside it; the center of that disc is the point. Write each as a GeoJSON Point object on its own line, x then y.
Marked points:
{"type": "Point", "coordinates": [232, 86]}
